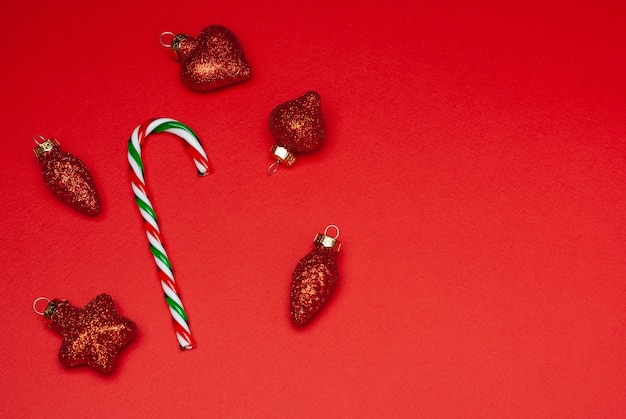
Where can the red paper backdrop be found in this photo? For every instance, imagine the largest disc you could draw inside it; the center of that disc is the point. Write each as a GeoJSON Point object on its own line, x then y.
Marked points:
{"type": "Point", "coordinates": [475, 164]}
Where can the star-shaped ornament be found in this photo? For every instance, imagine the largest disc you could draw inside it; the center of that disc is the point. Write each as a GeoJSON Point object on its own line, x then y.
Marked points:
{"type": "Point", "coordinates": [94, 335]}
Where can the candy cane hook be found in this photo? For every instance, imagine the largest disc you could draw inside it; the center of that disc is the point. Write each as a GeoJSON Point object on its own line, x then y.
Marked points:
{"type": "Point", "coordinates": [164, 267]}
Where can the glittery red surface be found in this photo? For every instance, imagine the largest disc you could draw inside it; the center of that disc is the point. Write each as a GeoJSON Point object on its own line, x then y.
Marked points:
{"type": "Point", "coordinates": [313, 282]}
{"type": "Point", "coordinates": [94, 335]}
{"type": "Point", "coordinates": [213, 60]}
{"type": "Point", "coordinates": [297, 124]}
{"type": "Point", "coordinates": [69, 180]}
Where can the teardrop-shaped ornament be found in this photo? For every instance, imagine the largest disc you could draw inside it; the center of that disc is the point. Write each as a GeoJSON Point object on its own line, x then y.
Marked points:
{"type": "Point", "coordinates": [297, 127]}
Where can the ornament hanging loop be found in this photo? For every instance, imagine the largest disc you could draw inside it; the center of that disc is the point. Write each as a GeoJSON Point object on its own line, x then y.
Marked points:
{"type": "Point", "coordinates": [329, 227]}
{"type": "Point", "coordinates": [163, 42]}
{"type": "Point", "coordinates": [39, 139]}
{"type": "Point", "coordinates": [273, 168]}
{"type": "Point", "coordinates": [36, 302]}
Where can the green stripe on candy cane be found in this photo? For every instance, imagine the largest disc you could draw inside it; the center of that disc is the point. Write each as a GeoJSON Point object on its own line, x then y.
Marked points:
{"type": "Point", "coordinates": [161, 256]}
{"type": "Point", "coordinates": [195, 149]}
{"type": "Point", "coordinates": [173, 124]}
{"type": "Point", "coordinates": [147, 208]}
{"type": "Point", "coordinates": [132, 152]}
{"type": "Point", "coordinates": [173, 304]}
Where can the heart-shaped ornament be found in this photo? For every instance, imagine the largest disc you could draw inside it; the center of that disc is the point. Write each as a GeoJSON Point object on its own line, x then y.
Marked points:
{"type": "Point", "coordinates": [213, 60]}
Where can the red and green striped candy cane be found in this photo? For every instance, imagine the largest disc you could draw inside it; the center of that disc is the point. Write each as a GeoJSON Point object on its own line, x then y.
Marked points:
{"type": "Point", "coordinates": [164, 266]}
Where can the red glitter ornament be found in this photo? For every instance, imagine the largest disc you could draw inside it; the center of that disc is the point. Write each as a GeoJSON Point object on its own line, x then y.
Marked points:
{"type": "Point", "coordinates": [314, 279]}
{"type": "Point", "coordinates": [212, 60]}
{"type": "Point", "coordinates": [298, 127]}
{"type": "Point", "coordinates": [67, 177]}
{"type": "Point", "coordinates": [94, 335]}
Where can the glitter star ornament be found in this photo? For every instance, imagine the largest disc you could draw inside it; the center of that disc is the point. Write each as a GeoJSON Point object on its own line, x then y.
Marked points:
{"type": "Point", "coordinates": [213, 60]}
{"type": "Point", "coordinates": [298, 127]}
{"type": "Point", "coordinates": [67, 177]}
{"type": "Point", "coordinates": [314, 279]}
{"type": "Point", "coordinates": [94, 335]}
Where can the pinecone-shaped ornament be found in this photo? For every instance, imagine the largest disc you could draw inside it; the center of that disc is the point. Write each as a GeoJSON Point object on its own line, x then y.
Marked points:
{"type": "Point", "coordinates": [314, 279]}
{"type": "Point", "coordinates": [67, 177]}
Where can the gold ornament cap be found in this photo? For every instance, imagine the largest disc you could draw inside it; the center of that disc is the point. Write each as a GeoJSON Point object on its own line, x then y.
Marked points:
{"type": "Point", "coordinates": [283, 155]}
{"type": "Point", "coordinates": [50, 310]}
{"type": "Point", "coordinates": [45, 146]}
{"type": "Point", "coordinates": [324, 240]}
{"type": "Point", "coordinates": [176, 43]}
{"type": "Point", "coordinates": [53, 305]}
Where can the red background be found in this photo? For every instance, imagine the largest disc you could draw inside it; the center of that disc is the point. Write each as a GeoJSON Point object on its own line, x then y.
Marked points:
{"type": "Point", "coordinates": [475, 164]}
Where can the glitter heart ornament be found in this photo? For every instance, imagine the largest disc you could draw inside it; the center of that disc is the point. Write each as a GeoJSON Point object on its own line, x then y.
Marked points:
{"type": "Point", "coordinates": [67, 177]}
{"type": "Point", "coordinates": [211, 61]}
{"type": "Point", "coordinates": [314, 279]}
{"type": "Point", "coordinates": [297, 127]}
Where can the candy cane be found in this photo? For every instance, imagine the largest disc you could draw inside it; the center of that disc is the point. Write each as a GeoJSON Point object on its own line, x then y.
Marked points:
{"type": "Point", "coordinates": [168, 283]}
